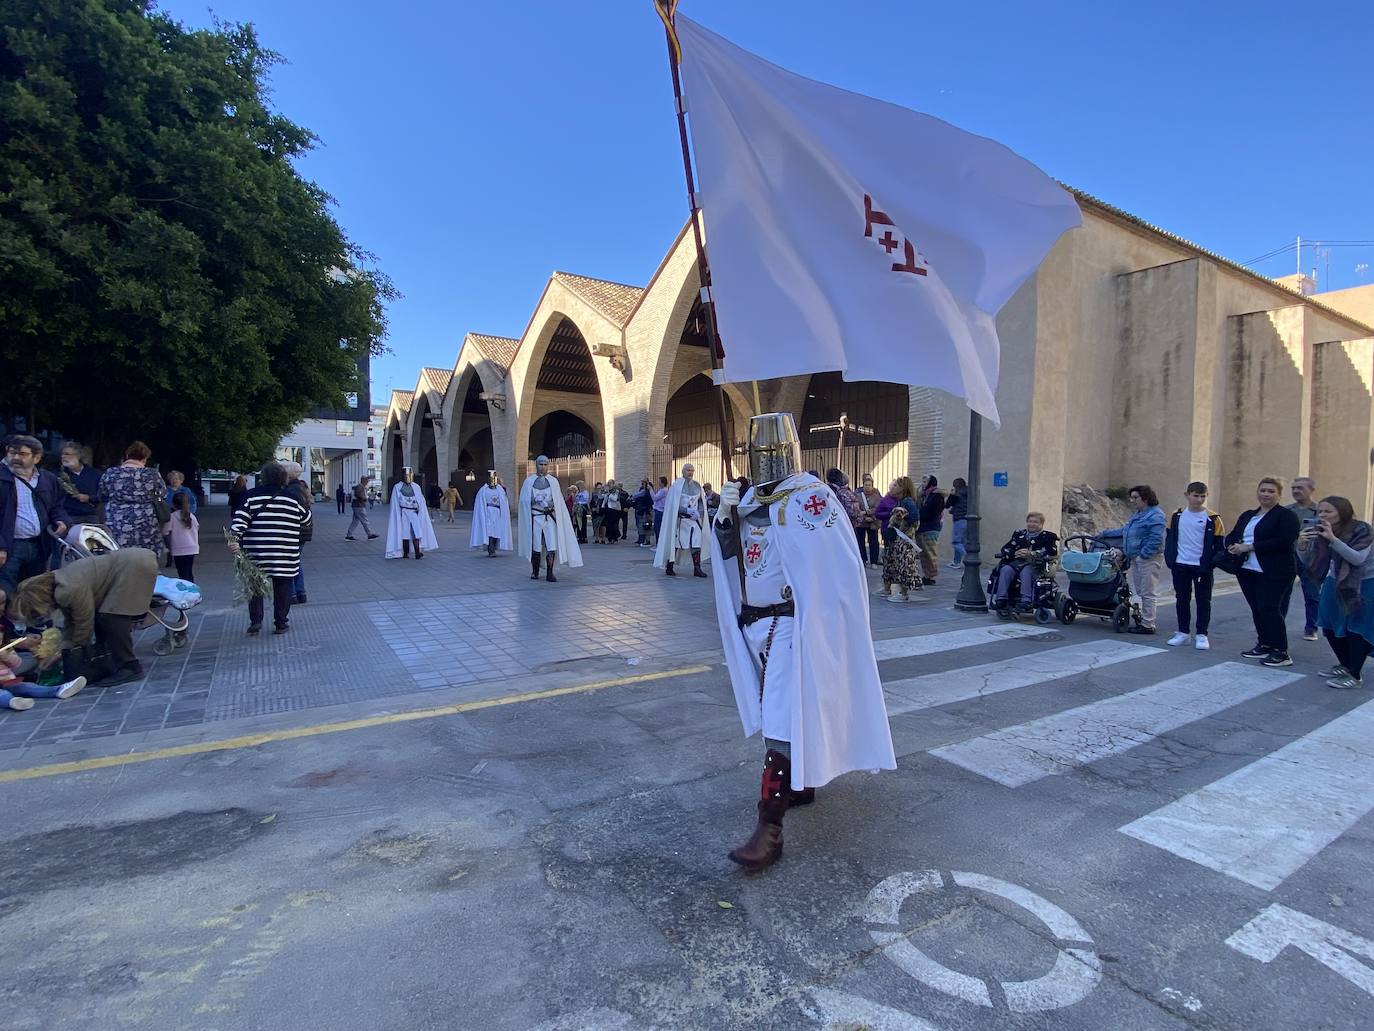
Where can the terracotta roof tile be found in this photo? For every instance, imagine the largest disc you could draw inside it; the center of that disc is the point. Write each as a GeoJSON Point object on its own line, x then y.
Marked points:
{"type": "Point", "coordinates": [614, 300]}
{"type": "Point", "coordinates": [436, 379]}
{"type": "Point", "coordinates": [498, 350]}
{"type": "Point", "coordinates": [402, 399]}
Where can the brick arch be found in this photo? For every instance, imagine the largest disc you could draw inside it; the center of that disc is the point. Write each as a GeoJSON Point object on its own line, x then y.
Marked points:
{"type": "Point", "coordinates": [529, 361]}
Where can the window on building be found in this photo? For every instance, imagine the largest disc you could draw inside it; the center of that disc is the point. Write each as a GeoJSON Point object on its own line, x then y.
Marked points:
{"type": "Point", "coordinates": [351, 399]}
{"type": "Point", "coordinates": [343, 428]}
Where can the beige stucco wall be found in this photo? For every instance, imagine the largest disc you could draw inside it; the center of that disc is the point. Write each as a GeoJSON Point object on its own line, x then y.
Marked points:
{"type": "Point", "coordinates": [1357, 302]}
{"type": "Point", "coordinates": [1343, 420]}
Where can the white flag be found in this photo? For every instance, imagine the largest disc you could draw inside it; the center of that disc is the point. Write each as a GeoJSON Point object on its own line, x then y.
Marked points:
{"type": "Point", "coordinates": [850, 234]}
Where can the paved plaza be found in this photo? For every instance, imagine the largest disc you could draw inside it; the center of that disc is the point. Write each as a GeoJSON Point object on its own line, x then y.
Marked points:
{"type": "Point", "coordinates": [451, 797]}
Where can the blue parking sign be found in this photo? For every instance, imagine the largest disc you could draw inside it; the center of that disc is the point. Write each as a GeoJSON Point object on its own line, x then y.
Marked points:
{"type": "Point", "coordinates": [999, 479]}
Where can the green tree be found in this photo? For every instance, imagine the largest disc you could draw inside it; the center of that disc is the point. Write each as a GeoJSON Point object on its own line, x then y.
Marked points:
{"type": "Point", "coordinates": [165, 271]}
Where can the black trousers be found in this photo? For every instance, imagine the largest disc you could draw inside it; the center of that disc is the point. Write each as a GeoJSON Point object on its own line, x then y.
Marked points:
{"type": "Point", "coordinates": [867, 536]}
{"type": "Point", "coordinates": [1190, 580]}
{"type": "Point", "coordinates": [186, 565]}
{"type": "Point", "coordinates": [1264, 594]}
{"type": "Point", "coordinates": [117, 634]}
{"type": "Point", "coordinates": [1350, 651]}
{"type": "Point", "coordinates": [283, 593]}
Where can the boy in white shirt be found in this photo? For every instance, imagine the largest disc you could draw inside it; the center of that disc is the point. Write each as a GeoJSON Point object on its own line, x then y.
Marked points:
{"type": "Point", "coordinates": [1188, 547]}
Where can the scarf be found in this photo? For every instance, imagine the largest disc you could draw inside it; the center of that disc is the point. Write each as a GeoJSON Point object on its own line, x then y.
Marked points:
{"type": "Point", "coordinates": [1358, 537]}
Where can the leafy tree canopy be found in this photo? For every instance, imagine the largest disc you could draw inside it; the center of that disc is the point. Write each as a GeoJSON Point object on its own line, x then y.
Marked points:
{"type": "Point", "coordinates": [165, 272]}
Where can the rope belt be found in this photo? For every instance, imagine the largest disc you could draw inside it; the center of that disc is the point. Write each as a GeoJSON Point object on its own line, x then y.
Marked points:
{"type": "Point", "coordinates": [753, 613]}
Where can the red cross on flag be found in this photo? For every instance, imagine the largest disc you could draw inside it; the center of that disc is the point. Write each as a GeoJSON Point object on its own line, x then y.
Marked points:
{"type": "Point", "coordinates": [850, 234]}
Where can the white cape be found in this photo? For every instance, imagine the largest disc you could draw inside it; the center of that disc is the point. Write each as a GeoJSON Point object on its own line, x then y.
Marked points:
{"type": "Point", "coordinates": [569, 554]}
{"type": "Point", "coordinates": [839, 718]}
{"type": "Point", "coordinates": [666, 548]}
{"type": "Point", "coordinates": [399, 527]}
{"type": "Point", "coordinates": [488, 521]}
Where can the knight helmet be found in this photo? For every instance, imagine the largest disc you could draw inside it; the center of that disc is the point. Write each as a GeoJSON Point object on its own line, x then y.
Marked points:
{"type": "Point", "coordinates": [774, 447]}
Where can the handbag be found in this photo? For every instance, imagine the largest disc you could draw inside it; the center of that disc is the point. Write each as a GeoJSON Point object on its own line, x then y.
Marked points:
{"type": "Point", "coordinates": [1223, 559]}
{"type": "Point", "coordinates": [160, 509]}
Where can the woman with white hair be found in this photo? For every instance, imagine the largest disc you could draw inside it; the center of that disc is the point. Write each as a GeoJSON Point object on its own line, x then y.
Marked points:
{"type": "Point", "coordinates": [299, 490]}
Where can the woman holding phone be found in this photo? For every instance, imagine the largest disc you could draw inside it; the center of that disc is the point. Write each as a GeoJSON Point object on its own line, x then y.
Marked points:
{"type": "Point", "coordinates": [1339, 552]}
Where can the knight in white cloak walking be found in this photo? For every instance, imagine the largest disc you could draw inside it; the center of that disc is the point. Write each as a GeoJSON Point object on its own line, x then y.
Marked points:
{"type": "Point", "coordinates": [684, 524]}
{"type": "Point", "coordinates": [408, 521]}
{"type": "Point", "coordinates": [797, 643]}
{"type": "Point", "coordinates": [545, 527]}
{"type": "Point", "coordinates": [490, 517]}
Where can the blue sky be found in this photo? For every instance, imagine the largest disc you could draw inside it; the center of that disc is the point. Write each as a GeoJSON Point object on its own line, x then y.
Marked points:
{"type": "Point", "coordinates": [476, 147]}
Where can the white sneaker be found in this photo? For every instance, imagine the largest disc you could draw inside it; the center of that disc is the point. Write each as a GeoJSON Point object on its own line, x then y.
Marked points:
{"type": "Point", "coordinates": [21, 704]}
{"type": "Point", "coordinates": [1202, 644]}
{"type": "Point", "coordinates": [1179, 638]}
{"type": "Point", "coordinates": [71, 687]}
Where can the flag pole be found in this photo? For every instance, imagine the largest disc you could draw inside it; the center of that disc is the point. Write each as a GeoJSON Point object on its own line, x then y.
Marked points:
{"type": "Point", "coordinates": [666, 10]}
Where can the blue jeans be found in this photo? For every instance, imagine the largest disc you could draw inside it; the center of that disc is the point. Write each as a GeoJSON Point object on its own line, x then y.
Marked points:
{"type": "Point", "coordinates": [957, 539]}
{"type": "Point", "coordinates": [1311, 595]}
{"type": "Point", "coordinates": [25, 559]}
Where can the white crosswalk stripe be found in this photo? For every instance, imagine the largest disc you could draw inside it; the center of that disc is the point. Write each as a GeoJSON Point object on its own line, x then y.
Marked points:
{"type": "Point", "coordinates": [990, 678]}
{"type": "Point", "coordinates": [1061, 742]}
{"type": "Point", "coordinates": [949, 640]}
{"type": "Point", "coordinates": [1266, 820]}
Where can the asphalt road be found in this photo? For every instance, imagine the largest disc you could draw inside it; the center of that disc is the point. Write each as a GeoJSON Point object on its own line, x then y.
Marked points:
{"type": "Point", "coordinates": [1085, 831]}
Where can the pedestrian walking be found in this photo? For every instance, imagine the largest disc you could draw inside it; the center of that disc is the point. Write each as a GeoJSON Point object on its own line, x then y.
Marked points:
{"type": "Point", "coordinates": [183, 533]}
{"type": "Point", "coordinates": [451, 501]}
{"type": "Point", "coordinates": [1339, 551]}
{"type": "Point", "coordinates": [340, 498]}
{"type": "Point", "coordinates": [866, 530]}
{"type": "Point", "coordinates": [132, 494]}
{"type": "Point", "coordinates": [1190, 545]}
{"type": "Point", "coordinates": [1142, 542]}
{"type": "Point", "coordinates": [270, 526]}
{"type": "Point", "coordinates": [642, 501]}
{"type": "Point", "coordinates": [297, 488]}
{"type": "Point", "coordinates": [362, 501]}
{"type": "Point", "coordinates": [957, 507]}
{"type": "Point", "coordinates": [932, 505]}
{"type": "Point", "coordinates": [901, 559]}
{"type": "Point", "coordinates": [237, 492]}
{"type": "Point", "coordinates": [1304, 506]}
{"type": "Point", "coordinates": [1263, 541]}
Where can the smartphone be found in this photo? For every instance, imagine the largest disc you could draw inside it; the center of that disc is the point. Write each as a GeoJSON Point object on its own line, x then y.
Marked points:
{"type": "Point", "coordinates": [1310, 523]}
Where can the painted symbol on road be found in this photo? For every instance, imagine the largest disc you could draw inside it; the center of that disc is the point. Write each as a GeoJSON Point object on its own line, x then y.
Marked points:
{"type": "Point", "coordinates": [1076, 969]}
{"type": "Point", "coordinates": [1278, 927]}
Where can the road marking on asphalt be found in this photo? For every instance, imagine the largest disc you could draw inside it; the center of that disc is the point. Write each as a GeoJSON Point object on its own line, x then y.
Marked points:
{"type": "Point", "coordinates": [1059, 743]}
{"type": "Point", "coordinates": [1075, 973]}
{"type": "Point", "coordinates": [1278, 927]}
{"type": "Point", "coordinates": [293, 733]}
{"type": "Point", "coordinates": [1266, 820]}
{"type": "Point", "coordinates": [840, 1009]}
{"type": "Point", "coordinates": [949, 640]}
{"type": "Point", "coordinates": [960, 685]}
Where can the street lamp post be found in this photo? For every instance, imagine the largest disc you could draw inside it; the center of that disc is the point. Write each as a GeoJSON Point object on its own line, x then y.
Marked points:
{"type": "Point", "coordinates": [971, 597]}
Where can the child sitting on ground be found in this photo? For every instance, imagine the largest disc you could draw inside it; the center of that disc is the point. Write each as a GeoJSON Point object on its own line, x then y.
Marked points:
{"type": "Point", "coordinates": [39, 659]}
{"type": "Point", "coordinates": [900, 558]}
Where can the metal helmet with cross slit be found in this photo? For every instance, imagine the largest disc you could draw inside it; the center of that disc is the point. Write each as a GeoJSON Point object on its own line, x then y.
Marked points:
{"type": "Point", "coordinates": [774, 447]}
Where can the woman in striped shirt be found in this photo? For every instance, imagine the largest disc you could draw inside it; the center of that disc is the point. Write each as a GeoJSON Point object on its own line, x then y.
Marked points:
{"type": "Point", "coordinates": [268, 526]}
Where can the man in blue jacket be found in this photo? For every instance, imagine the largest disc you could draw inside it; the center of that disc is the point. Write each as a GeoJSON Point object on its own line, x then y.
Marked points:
{"type": "Point", "coordinates": [31, 503]}
{"type": "Point", "coordinates": [1142, 541]}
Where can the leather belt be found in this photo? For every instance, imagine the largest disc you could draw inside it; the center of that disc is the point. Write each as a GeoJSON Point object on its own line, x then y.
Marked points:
{"type": "Point", "coordinates": [753, 613]}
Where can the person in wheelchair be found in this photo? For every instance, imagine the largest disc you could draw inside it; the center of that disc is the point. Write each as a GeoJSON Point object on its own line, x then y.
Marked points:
{"type": "Point", "coordinates": [1028, 551]}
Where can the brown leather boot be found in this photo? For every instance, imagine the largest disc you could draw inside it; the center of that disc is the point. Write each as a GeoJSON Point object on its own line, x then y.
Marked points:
{"type": "Point", "coordinates": [764, 847]}
{"type": "Point", "coordinates": [669, 570]}
{"type": "Point", "coordinates": [549, 558]}
{"type": "Point", "coordinates": [696, 564]}
{"type": "Point", "coordinates": [534, 565]}
{"type": "Point", "coordinates": [418, 553]}
{"type": "Point", "coordinates": [405, 548]}
{"type": "Point", "coordinates": [799, 798]}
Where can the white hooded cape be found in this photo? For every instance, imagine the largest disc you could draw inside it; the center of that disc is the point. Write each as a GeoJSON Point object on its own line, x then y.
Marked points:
{"type": "Point", "coordinates": [397, 530]}
{"type": "Point", "coordinates": [839, 718]}
{"type": "Point", "coordinates": [666, 548]}
{"type": "Point", "coordinates": [488, 521]}
{"type": "Point", "coordinates": [569, 554]}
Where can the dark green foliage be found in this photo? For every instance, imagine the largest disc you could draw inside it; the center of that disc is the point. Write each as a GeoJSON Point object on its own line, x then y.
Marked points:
{"type": "Point", "coordinates": [165, 272]}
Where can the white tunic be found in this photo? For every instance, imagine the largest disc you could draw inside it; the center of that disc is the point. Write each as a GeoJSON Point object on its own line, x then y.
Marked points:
{"type": "Point", "coordinates": [773, 659]}
{"type": "Point", "coordinates": [544, 527]}
{"type": "Point", "coordinates": [490, 518]}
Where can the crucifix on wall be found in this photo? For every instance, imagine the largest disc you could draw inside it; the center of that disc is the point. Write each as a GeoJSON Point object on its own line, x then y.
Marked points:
{"type": "Point", "coordinates": [845, 427]}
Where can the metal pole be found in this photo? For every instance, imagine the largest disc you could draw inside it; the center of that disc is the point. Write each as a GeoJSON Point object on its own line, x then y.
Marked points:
{"type": "Point", "coordinates": [666, 11]}
{"type": "Point", "coordinates": [971, 597]}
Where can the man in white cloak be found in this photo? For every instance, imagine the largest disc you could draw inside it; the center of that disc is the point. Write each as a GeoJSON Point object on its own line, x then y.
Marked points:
{"type": "Point", "coordinates": [408, 521]}
{"type": "Point", "coordinates": [684, 524]}
{"type": "Point", "coordinates": [544, 524]}
{"type": "Point", "coordinates": [797, 644]}
{"type": "Point", "coordinates": [490, 517]}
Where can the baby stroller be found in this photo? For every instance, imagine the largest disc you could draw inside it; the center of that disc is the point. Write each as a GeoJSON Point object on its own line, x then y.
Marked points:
{"type": "Point", "coordinates": [172, 598]}
{"type": "Point", "coordinates": [1097, 584]}
{"type": "Point", "coordinates": [1044, 605]}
